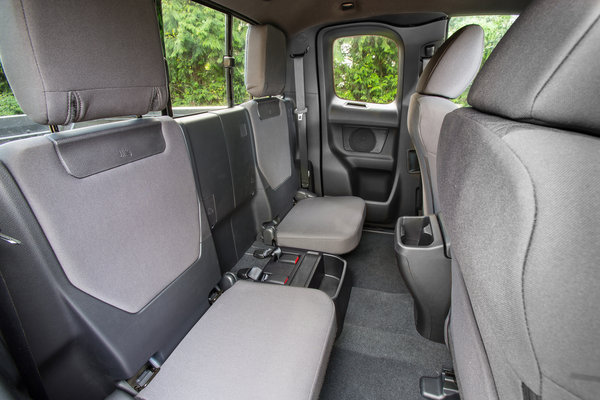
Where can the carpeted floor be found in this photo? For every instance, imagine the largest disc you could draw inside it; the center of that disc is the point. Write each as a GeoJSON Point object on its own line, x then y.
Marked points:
{"type": "Point", "coordinates": [379, 354]}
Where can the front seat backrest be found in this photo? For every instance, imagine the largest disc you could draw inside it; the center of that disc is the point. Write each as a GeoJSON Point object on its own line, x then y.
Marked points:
{"type": "Point", "coordinates": [116, 260]}
{"type": "Point", "coordinates": [445, 77]}
{"type": "Point", "coordinates": [519, 178]}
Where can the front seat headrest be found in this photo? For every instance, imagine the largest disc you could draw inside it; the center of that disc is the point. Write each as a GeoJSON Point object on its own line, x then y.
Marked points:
{"type": "Point", "coordinates": [546, 69]}
{"type": "Point", "coordinates": [454, 65]}
{"type": "Point", "coordinates": [70, 61]}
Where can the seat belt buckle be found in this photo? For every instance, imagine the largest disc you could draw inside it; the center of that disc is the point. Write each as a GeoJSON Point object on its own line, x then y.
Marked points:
{"type": "Point", "coordinates": [300, 113]}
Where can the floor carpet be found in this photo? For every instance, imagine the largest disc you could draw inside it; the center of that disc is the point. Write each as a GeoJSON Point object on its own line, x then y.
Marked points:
{"type": "Point", "coordinates": [379, 354]}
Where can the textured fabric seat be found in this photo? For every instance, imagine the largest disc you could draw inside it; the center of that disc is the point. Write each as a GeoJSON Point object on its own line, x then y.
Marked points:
{"type": "Point", "coordinates": [116, 260]}
{"type": "Point", "coordinates": [257, 342]}
{"type": "Point", "coordinates": [519, 181]}
{"type": "Point", "coordinates": [331, 225]}
{"type": "Point", "coordinates": [445, 77]}
{"type": "Point", "coordinates": [303, 227]}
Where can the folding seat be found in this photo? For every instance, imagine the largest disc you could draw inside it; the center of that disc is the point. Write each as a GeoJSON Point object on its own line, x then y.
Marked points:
{"type": "Point", "coordinates": [327, 224]}
{"type": "Point", "coordinates": [107, 257]}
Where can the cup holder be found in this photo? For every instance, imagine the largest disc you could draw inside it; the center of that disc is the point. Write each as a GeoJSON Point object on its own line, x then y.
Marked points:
{"type": "Point", "coordinates": [425, 268]}
{"type": "Point", "coordinates": [416, 231]}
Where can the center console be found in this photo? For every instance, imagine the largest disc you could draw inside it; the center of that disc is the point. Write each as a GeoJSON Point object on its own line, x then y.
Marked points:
{"type": "Point", "coordinates": [300, 268]}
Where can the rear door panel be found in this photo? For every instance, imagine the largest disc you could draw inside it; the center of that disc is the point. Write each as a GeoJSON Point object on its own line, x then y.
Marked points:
{"type": "Point", "coordinates": [365, 146]}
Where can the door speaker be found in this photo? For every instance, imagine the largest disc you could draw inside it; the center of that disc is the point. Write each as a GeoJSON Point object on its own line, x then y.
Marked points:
{"type": "Point", "coordinates": [362, 140]}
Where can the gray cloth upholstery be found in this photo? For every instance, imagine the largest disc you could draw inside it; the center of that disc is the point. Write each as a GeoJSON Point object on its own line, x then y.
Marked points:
{"type": "Point", "coordinates": [265, 61]}
{"type": "Point", "coordinates": [425, 117]}
{"type": "Point", "coordinates": [272, 143]}
{"type": "Point", "coordinates": [454, 64]}
{"type": "Point", "coordinates": [258, 341]}
{"type": "Point", "coordinates": [328, 224]}
{"type": "Point", "coordinates": [62, 69]}
{"type": "Point", "coordinates": [447, 75]}
{"type": "Point", "coordinates": [116, 237]}
{"type": "Point", "coordinates": [536, 73]}
{"type": "Point", "coordinates": [468, 353]}
{"type": "Point", "coordinates": [520, 205]}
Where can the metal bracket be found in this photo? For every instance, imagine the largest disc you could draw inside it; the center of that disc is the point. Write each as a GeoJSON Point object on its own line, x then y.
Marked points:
{"type": "Point", "coordinates": [228, 62]}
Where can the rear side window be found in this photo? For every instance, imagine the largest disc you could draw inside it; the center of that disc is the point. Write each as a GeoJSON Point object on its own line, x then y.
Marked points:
{"type": "Point", "coordinates": [494, 27]}
{"type": "Point", "coordinates": [8, 103]}
{"type": "Point", "coordinates": [365, 68]}
{"type": "Point", "coordinates": [194, 48]}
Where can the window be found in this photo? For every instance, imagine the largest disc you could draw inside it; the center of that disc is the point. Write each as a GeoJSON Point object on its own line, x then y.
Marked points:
{"type": "Point", "coordinates": [365, 68]}
{"type": "Point", "coordinates": [8, 103]}
{"type": "Point", "coordinates": [239, 29]}
{"type": "Point", "coordinates": [194, 47]}
{"type": "Point", "coordinates": [494, 27]}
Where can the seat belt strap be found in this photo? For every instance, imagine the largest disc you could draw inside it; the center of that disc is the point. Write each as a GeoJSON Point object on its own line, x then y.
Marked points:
{"type": "Point", "coordinates": [301, 112]}
{"type": "Point", "coordinates": [17, 344]}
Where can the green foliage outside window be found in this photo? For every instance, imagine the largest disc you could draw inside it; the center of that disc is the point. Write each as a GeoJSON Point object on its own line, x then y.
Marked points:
{"type": "Point", "coordinates": [365, 68]}
{"type": "Point", "coordinates": [8, 103]}
{"type": "Point", "coordinates": [494, 27]}
{"type": "Point", "coordinates": [195, 45]}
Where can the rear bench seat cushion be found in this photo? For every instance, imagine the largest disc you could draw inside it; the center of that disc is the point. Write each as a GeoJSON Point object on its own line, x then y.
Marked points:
{"type": "Point", "coordinates": [327, 224]}
{"type": "Point", "coordinates": [258, 341]}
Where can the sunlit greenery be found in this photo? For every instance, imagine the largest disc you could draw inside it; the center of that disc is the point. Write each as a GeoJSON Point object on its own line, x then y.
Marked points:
{"type": "Point", "coordinates": [494, 26]}
{"type": "Point", "coordinates": [365, 68]}
{"type": "Point", "coordinates": [195, 45]}
{"type": "Point", "coordinates": [8, 103]}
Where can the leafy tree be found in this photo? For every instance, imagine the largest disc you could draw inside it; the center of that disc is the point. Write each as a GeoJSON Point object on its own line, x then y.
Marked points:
{"type": "Point", "coordinates": [494, 27]}
{"type": "Point", "coordinates": [365, 68]}
{"type": "Point", "coordinates": [8, 103]}
{"type": "Point", "coordinates": [195, 45]}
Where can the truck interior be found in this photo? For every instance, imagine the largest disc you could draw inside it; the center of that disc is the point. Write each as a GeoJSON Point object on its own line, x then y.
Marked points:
{"type": "Point", "coordinates": [353, 200]}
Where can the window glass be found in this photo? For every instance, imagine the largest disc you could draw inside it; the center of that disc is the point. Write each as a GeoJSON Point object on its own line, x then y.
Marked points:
{"type": "Point", "coordinates": [494, 27]}
{"type": "Point", "coordinates": [365, 68]}
{"type": "Point", "coordinates": [194, 47]}
{"type": "Point", "coordinates": [8, 103]}
{"type": "Point", "coordinates": [239, 29]}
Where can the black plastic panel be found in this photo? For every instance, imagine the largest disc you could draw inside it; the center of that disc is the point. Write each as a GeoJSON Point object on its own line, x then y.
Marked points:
{"type": "Point", "coordinates": [206, 142]}
{"type": "Point", "coordinates": [220, 145]}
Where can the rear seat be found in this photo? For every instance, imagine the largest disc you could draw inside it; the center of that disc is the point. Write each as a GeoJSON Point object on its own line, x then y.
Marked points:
{"type": "Point", "coordinates": [116, 260]}
{"type": "Point", "coordinates": [327, 224]}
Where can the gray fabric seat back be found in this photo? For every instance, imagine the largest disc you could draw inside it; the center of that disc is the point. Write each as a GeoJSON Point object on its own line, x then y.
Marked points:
{"type": "Point", "coordinates": [520, 195]}
{"type": "Point", "coordinates": [116, 260]}
{"type": "Point", "coordinates": [445, 77]}
{"type": "Point", "coordinates": [272, 121]}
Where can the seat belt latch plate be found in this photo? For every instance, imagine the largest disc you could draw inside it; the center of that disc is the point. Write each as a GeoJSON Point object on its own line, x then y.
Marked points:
{"type": "Point", "coordinates": [300, 113]}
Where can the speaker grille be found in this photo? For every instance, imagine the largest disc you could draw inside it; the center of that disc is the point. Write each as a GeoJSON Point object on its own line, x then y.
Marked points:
{"type": "Point", "coordinates": [362, 140]}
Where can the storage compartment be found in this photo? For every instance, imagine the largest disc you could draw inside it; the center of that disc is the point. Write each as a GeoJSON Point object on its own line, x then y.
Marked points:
{"type": "Point", "coordinates": [425, 268]}
{"type": "Point", "coordinates": [330, 277]}
{"type": "Point", "coordinates": [315, 270]}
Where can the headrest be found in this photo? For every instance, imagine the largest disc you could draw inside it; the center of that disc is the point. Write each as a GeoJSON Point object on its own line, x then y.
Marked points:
{"type": "Point", "coordinates": [454, 65]}
{"type": "Point", "coordinates": [70, 61]}
{"type": "Point", "coordinates": [546, 69]}
{"type": "Point", "coordinates": [265, 61]}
